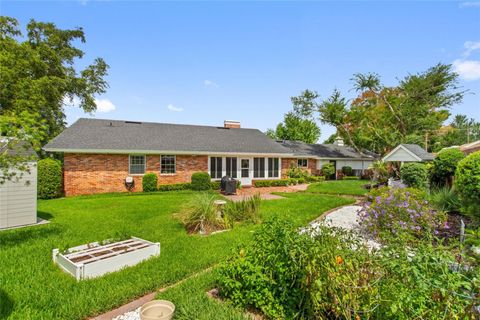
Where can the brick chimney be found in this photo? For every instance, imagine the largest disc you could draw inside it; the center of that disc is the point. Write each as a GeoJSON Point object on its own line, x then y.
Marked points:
{"type": "Point", "coordinates": [231, 124]}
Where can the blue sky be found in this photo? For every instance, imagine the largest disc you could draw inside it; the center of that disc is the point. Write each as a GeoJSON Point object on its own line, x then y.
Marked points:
{"type": "Point", "coordinates": [204, 62]}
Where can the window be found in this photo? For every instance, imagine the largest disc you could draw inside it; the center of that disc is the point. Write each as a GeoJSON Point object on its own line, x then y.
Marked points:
{"type": "Point", "coordinates": [167, 164]}
{"type": "Point", "coordinates": [136, 164]}
{"type": "Point", "coordinates": [302, 163]}
{"type": "Point", "coordinates": [245, 163]}
{"type": "Point", "coordinates": [231, 167]}
{"type": "Point", "coordinates": [273, 166]}
{"type": "Point", "coordinates": [259, 167]}
{"type": "Point", "coordinates": [216, 167]}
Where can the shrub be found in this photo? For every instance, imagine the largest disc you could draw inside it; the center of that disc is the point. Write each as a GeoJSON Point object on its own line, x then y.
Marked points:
{"type": "Point", "coordinates": [301, 180]}
{"type": "Point", "coordinates": [271, 183]}
{"type": "Point", "coordinates": [444, 165]}
{"type": "Point", "coordinates": [292, 182]}
{"type": "Point", "coordinates": [347, 170]}
{"type": "Point", "coordinates": [50, 178]}
{"type": "Point", "coordinates": [380, 172]}
{"type": "Point", "coordinates": [414, 175]}
{"type": "Point", "coordinates": [295, 172]}
{"type": "Point", "coordinates": [174, 187]}
{"type": "Point", "coordinates": [367, 174]}
{"type": "Point", "coordinates": [467, 182]}
{"type": "Point", "coordinates": [149, 182]}
{"type": "Point", "coordinates": [245, 210]}
{"type": "Point", "coordinates": [328, 170]}
{"type": "Point", "coordinates": [445, 199]}
{"type": "Point", "coordinates": [398, 212]}
{"type": "Point", "coordinates": [201, 181]}
{"type": "Point", "coordinates": [351, 178]}
{"type": "Point", "coordinates": [201, 215]}
{"type": "Point", "coordinates": [315, 178]}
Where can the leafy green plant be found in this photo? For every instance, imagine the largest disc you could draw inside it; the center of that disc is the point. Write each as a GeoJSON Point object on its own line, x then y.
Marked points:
{"type": "Point", "coordinates": [445, 199]}
{"type": "Point", "coordinates": [414, 175]}
{"type": "Point", "coordinates": [201, 215]}
{"type": "Point", "coordinates": [399, 212]}
{"type": "Point", "coordinates": [149, 182]}
{"type": "Point", "coordinates": [201, 181]}
{"type": "Point", "coordinates": [444, 166]}
{"type": "Point", "coordinates": [271, 183]}
{"type": "Point", "coordinates": [351, 178]}
{"type": "Point", "coordinates": [467, 183]}
{"type": "Point", "coordinates": [379, 172]}
{"type": "Point", "coordinates": [50, 178]}
{"type": "Point", "coordinates": [312, 178]}
{"type": "Point", "coordinates": [296, 172]}
{"type": "Point", "coordinates": [245, 210]}
{"type": "Point", "coordinates": [292, 181]}
{"type": "Point", "coordinates": [174, 187]}
{"type": "Point", "coordinates": [347, 170]}
{"type": "Point", "coordinates": [328, 170]}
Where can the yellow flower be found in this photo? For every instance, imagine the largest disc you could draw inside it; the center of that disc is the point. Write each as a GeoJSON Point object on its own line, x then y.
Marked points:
{"type": "Point", "coordinates": [339, 259]}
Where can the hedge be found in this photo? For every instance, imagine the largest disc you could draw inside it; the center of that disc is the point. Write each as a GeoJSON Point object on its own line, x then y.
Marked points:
{"type": "Point", "coordinates": [347, 171]}
{"type": "Point", "coordinates": [271, 183]}
{"type": "Point", "coordinates": [414, 175]}
{"type": "Point", "coordinates": [444, 166]}
{"type": "Point", "coordinates": [50, 179]}
{"type": "Point", "coordinates": [149, 182]}
{"type": "Point", "coordinates": [201, 181]}
{"type": "Point", "coordinates": [328, 170]}
{"type": "Point", "coordinates": [351, 178]}
{"type": "Point", "coordinates": [174, 186]}
{"type": "Point", "coordinates": [467, 182]}
{"type": "Point", "coordinates": [315, 178]}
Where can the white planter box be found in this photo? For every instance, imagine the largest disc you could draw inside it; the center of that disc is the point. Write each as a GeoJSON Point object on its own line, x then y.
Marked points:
{"type": "Point", "coordinates": [94, 260]}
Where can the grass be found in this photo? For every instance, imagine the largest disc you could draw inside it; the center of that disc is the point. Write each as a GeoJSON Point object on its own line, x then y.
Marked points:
{"type": "Point", "coordinates": [347, 187]}
{"type": "Point", "coordinates": [32, 287]}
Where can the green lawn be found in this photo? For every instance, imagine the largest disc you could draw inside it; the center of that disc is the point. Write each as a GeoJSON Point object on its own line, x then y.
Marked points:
{"type": "Point", "coordinates": [348, 187]}
{"type": "Point", "coordinates": [32, 287]}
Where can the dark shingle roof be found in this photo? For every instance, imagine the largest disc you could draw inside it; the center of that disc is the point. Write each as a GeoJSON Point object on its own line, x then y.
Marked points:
{"type": "Point", "coordinates": [418, 151]}
{"type": "Point", "coordinates": [95, 134]}
{"type": "Point", "coordinates": [20, 148]}
{"type": "Point", "coordinates": [326, 151]}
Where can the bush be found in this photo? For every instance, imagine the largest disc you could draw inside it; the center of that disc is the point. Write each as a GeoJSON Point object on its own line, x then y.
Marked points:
{"type": "Point", "coordinates": [444, 165]}
{"type": "Point", "coordinates": [315, 178]}
{"type": "Point", "coordinates": [414, 175]}
{"type": "Point", "coordinates": [271, 183]}
{"type": "Point", "coordinates": [379, 171]}
{"type": "Point", "coordinates": [347, 171]}
{"type": "Point", "coordinates": [245, 210]}
{"type": "Point", "coordinates": [201, 181]}
{"type": "Point", "coordinates": [367, 174]}
{"type": "Point", "coordinates": [50, 179]}
{"type": "Point", "coordinates": [149, 182]}
{"type": "Point", "coordinates": [351, 178]}
{"type": "Point", "coordinates": [395, 212]}
{"type": "Point", "coordinates": [467, 182]}
{"type": "Point", "coordinates": [292, 182]}
{"type": "Point", "coordinates": [174, 187]}
{"type": "Point", "coordinates": [445, 199]}
{"type": "Point", "coordinates": [201, 215]}
{"type": "Point", "coordinates": [328, 170]}
{"type": "Point", "coordinates": [301, 180]}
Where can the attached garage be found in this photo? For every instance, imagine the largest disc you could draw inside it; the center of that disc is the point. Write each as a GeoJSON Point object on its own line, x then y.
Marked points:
{"type": "Point", "coordinates": [18, 196]}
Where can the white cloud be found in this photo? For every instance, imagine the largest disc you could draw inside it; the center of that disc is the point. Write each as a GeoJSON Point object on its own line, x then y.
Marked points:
{"type": "Point", "coordinates": [467, 69]}
{"type": "Point", "coordinates": [470, 46]}
{"type": "Point", "coordinates": [173, 108]}
{"type": "Point", "coordinates": [104, 105]}
{"type": "Point", "coordinates": [470, 4]}
{"type": "Point", "coordinates": [210, 83]}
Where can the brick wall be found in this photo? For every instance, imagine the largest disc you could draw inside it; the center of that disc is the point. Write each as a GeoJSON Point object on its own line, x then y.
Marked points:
{"type": "Point", "coordinates": [312, 166]}
{"type": "Point", "coordinates": [102, 173]}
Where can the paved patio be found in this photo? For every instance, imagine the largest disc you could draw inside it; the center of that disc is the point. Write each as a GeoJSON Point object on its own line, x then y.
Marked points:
{"type": "Point", "coordinates": [265, 193]}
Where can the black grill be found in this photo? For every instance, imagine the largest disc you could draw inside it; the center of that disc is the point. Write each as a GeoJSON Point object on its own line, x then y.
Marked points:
{"type": "Point", "coordinates": [228, 185]}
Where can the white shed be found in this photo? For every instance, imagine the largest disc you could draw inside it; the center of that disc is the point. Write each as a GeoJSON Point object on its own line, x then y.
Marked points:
{"type": "Point", "coordinates": [18, 197]}
{"type": "Point", "coordinates": [408, 153]}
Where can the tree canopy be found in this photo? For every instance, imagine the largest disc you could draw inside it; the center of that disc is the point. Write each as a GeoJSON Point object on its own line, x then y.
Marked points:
{"type": "Point", "coordinates": [299, 124]}
{"type": "Point", "coordinates": [38, 74]}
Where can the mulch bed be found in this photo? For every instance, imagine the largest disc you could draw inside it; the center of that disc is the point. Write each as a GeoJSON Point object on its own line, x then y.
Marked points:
{"type": "Point", "coordinates": [454, 222]}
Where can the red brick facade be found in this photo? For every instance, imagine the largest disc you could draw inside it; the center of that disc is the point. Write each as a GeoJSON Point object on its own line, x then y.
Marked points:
{"type": "Point", "coordinates": [101, 173]}
{"type": "Point", "coordinates": [286, 162]}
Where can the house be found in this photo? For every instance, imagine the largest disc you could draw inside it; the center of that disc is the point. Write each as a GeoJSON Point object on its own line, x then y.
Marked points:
{"type": "Point", "coordinates": [313, 156]}
{"type": "Point", "coordinates": [100, 154]}
{"type": "Point", "coordinates": [470, 147]}
{"type": "Point", "coordinates": [18, 195]}
{"type": "Point", "coordinates": [408, 153]}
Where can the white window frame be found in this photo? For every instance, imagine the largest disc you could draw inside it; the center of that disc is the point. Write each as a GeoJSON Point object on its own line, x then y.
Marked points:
{"type": "Point", "coordinates": [305, 166]}
{"type": "Point", "coordinates": [223, 160]}
{"type": "Point", "coordinates": [130, 163]}
{"type": "Point", "coordinates": [279, 171]}
{"type": "Point", "coordinates": [174, 165]}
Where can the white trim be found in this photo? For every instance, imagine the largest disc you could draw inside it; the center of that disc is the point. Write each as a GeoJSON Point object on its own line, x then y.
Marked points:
{"type": "Point", "coordinates": [156, 152]}
{"type": "Point", "coordinates": [384, 159]}
{"type": "Point", "coordinates": [175, 163]}
{"type": "Point", "coordinates": [144, 165]}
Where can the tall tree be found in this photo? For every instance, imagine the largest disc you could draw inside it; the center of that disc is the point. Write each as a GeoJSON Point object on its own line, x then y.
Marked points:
{"type": "Point", "coordinates": [459, 131]}
{"type": "Point", "coordinates": [299, 124]}
{"type": "Point", "coordinates": [381, 117]}
{"type": "Point", "coordinates": [38, 74]}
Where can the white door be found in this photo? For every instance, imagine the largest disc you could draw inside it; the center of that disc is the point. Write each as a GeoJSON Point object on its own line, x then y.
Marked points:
{"type": "Point", "coordinates": [245, 172]}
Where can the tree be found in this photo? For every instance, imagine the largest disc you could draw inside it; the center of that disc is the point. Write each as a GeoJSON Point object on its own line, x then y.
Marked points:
{"type": "Point", "coordinates": [382, 117]}
{"type": "Point", "coordinates": [38, 74]}
{"type": "Point", "coordinates": [460, 131]}
{"type": "Point", "coordinates": [299, 125]}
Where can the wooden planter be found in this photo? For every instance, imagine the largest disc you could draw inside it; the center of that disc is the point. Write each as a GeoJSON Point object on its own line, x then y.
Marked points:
{"type": "Point", "coordinates": [94, 260]}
